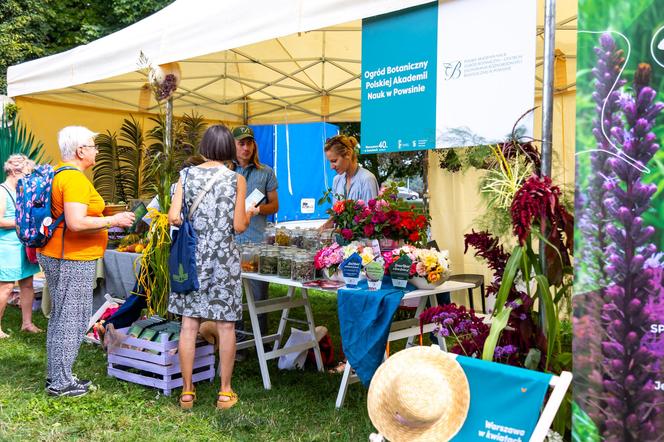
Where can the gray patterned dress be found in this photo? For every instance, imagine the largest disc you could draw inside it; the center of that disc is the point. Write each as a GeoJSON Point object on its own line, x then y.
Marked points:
{"type": "Point", "coordinates": [217, 255]}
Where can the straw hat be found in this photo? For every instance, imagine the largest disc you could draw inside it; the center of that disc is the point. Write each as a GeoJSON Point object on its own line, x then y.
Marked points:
{"type": "Point", "coordinates": [419, 394]}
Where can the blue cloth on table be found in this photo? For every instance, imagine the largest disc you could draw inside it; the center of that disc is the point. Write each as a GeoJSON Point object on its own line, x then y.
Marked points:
{"type": "Point", "coordinates": [365, 318]}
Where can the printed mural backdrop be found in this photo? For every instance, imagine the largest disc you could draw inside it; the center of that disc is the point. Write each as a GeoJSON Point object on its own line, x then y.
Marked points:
{"type": "Point", "coordinates": [619, 301]}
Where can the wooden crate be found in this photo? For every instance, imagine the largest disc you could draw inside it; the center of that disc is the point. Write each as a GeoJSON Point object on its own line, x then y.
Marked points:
{"type": "Point", "coordinates": [160, 369]}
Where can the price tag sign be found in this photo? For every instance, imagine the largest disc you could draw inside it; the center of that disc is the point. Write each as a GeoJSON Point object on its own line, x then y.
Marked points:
{"type": "Point", "coordinates": [351, 268]}
{"type": "Point", "coordinates": [400, 271]}
{"type": "Point", "coordinates": [375, 273]}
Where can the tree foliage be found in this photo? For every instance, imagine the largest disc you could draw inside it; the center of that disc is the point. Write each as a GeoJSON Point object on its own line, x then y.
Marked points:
{"type": "Point", "coordinates": [31, 29]}
{"type": "Point", "coordinates": [387, 166]}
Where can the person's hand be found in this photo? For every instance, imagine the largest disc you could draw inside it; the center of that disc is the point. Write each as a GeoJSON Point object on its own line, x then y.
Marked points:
{"type": "Point", "coordinates": [253, 211]}
{"type": "Point", "coordinates": [123, 219]}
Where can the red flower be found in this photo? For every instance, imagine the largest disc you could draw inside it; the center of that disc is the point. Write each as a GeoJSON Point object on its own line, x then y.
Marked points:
{"type": "Point", "coordinates": [347, 234]}
{"type": "Point", "coordinates": [368, 230]}
{"type": "Point", "coordinates": [339, 207]}
{"type": "Point", "coordinates": [414, 237]}
{"type": "Point", "coordinates": [536, 198]}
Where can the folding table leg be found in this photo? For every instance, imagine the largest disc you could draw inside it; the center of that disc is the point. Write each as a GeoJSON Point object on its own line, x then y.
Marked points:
{"type": "Point", "coordinates": [420, 308]}
{"type": "Point", "coordinates": [343, 388]}
{"type": "Point", "coordinates": [258, 336]}
{"type": "Point", "coordinates": [312, 328]}
{"type": "Point", "coordinates": [282, 322]}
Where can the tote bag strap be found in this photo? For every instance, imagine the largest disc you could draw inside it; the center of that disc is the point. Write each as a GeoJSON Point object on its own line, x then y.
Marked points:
{"type": "Point", "coordinates": [205, 190]}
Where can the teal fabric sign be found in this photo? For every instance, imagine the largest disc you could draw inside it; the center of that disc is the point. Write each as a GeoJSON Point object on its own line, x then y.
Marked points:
{"type": "Point", "coordinates": [399, 72]}
{"type": "Point", "coordinates": [505, 401]}
{"type": "Point", "coordinates": [351, 268]}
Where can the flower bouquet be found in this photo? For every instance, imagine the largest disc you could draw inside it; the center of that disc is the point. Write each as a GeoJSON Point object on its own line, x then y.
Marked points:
{"type": "Point", "coordinates": [429, 267]}
{"type": "Point", "coordinates": [328, 258]}
{"type": "Point", "coordinates": [383, 218]}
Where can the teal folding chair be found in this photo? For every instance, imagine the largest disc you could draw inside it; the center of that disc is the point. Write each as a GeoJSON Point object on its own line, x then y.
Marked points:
{"type": "Point", "coordinates": [508, 403]}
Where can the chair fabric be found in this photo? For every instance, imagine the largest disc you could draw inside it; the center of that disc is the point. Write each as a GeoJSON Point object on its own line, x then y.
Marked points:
{"type": "Point", "coordinates": [517, 395]}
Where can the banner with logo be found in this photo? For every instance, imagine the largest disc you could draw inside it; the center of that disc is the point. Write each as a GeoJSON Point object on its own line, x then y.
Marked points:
{"type": "Point", "coordinates": [447, 74]}
{"type": "Point", "coordinates": [618, 292]}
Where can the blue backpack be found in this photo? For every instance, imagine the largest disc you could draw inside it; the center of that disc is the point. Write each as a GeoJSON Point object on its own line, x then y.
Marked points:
{"type": "Point", "coordinates": [34, 222]}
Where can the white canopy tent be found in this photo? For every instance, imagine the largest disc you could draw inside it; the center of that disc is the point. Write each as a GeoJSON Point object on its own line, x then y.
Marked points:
{"type": "Point", "coordinates": [256, 61]}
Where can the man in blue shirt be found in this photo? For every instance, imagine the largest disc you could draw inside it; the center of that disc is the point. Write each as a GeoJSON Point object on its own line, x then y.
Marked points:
{"type": "Point", "coordinates": [261, 177]}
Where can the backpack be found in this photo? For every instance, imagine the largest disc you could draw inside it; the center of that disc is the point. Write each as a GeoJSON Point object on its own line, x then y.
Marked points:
{"type": "Point", "coordinates": [34, 225]}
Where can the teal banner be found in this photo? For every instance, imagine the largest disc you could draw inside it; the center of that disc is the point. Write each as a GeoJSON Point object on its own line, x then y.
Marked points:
{"type": "Point", "coordinates": [399, 72]}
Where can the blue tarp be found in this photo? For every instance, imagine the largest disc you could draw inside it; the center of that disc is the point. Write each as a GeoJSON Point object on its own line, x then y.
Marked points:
{"type": "Point", "coordinates": [295, 152]}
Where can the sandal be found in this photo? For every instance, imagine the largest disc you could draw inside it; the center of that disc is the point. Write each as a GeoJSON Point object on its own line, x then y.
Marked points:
{"type": "Point", "coordinates": [224, 405]}
{"type": "Point", "coordinates": [338, 369]}
{"type": "Point", "coordinates": [187, 405]}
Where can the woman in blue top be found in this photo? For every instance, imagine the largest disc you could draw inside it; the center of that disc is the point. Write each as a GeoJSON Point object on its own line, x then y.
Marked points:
{"type": "Point", "coordinates": [14, 264]}
{"type": "Point", "coordinates": [352, 180]}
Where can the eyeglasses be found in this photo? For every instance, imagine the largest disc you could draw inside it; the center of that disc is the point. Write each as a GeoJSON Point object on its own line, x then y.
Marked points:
{"type": "Point", "coordinates": [91, 146]}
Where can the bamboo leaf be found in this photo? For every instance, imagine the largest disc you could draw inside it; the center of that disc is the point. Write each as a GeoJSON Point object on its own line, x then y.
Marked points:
{"type": "Point", "coordinates": [498, 324]}
{"type": "Point", "coordinates": [507, 281]}
{"type": "Point", "coordinates": [551, 316]}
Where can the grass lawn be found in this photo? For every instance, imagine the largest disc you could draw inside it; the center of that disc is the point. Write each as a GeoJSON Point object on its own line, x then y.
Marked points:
{"type": "Point", "coordinates": [300, 406]}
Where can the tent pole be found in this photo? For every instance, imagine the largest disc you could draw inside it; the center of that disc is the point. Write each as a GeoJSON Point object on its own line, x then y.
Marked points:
{"type": "Point", "coordinates": [547, 117]}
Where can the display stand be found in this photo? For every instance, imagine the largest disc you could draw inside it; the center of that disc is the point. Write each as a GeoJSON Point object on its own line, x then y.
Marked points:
{"type": "Point", "coordinates": [406, 329]}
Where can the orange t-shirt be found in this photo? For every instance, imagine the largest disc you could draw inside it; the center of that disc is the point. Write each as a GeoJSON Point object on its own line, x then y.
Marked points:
{"type": "Point", "coordinates": [72, 186]}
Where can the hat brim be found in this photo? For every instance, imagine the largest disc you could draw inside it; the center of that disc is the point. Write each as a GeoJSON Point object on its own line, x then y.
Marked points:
{"type": "Point", "coordinates": [244, 136]}
{"type": "Point", "coordinates": [382, 413]}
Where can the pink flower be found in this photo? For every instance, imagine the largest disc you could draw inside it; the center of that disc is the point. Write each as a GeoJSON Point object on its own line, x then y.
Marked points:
{"type": "Point", "coordinates": [368, 230]}
{"type": "Point", "coordinates": [347, 233]}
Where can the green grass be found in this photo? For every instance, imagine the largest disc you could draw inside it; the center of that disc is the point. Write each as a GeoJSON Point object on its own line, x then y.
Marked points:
{"type": "Point", "coordinates": [300, 406]}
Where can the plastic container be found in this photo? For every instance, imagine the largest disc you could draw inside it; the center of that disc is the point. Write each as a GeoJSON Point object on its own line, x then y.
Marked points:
{"type": "Point", "coordinates": [283, 237]}
{"type": "Point", "coordinates": [268, 260]}
{"type": "Point", "coordinates": [303, 267]}
{"type": "Point", "coordinates": [250, 255]}
{"type": "Point", "coordinates": [270, 234]}
{"type": "Point", "coordinates": [311, 240]}
{"type": "Point", "coordinates": [284, 268]}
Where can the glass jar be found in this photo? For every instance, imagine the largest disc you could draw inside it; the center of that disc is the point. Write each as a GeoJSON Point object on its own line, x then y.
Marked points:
{"type": "Point", "coordinates": [303, 267]}
{"type": "Point", "coordinates": [250, 254]}
{"type": "Point", "coordinates": [283, 237]}
{"type": "Point", "coordinates": [326, 237]}
{"type": "Point", "coordinates": [268, 260]}
{"type": "Point", "coordinates": [270, 234]}
{"type": "Point", "coordinates": [297, 235]}
{"type": "Point", "coordinates": [285, 262]}
{"type": "Point", "coordinates": [311, 240]}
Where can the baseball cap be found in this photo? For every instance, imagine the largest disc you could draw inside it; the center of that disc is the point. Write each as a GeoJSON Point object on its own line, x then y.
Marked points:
{"type": "Point", "coordinates": [242, 132]}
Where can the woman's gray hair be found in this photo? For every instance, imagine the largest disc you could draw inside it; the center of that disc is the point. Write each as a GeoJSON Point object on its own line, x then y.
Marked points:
{"type": "Point", "coordinates": [71, 138]}
{"type": "Point", "coordinates": [17, 163]}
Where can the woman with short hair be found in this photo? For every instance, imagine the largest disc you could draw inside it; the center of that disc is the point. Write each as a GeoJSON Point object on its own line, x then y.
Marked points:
{"type": "Point", "coordinates": [219, 216]}
{"type": "Point", "coordinates": [70, 256]}
{"type": "Point", "coordinates": [14, 263]}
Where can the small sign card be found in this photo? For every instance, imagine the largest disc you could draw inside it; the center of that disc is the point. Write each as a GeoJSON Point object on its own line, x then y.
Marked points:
{"type": "Point", "coordinates": [351, 268]}
{"type": "Point", "coordinates": [254, 199]}
{"type": "Point", "coordinates": [400, 271]}
{"type": "Point", "coordinates": [375, 273]}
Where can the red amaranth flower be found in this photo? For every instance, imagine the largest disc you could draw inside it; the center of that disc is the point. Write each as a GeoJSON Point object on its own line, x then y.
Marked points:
{"type": "Point", "coordinates": [536, 198]}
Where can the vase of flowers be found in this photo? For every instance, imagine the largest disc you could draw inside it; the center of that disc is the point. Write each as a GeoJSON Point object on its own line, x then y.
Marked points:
{"type": "Point", "coordinates": [429, 268]}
